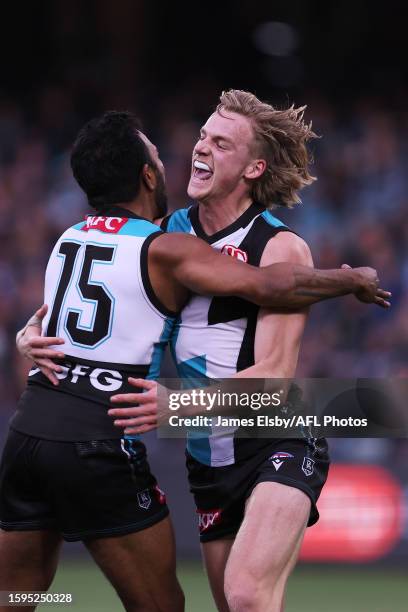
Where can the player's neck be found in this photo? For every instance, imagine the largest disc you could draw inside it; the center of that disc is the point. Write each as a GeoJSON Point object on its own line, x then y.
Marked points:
{"type": "Point", "coordinates": [143, 206]}
{"type": "Point", "coordinates": [216, 215]}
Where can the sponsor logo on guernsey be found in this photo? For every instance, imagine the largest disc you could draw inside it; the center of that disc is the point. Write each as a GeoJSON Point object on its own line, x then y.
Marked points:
{"type": "Point", "coordinates": [208, 518]}
{"type": "Point", "coordinates": [233, 251]}
{"type": "Point", "coordinates": [278, 458]}
{"type": "Point", "coordinates": [160, 495]}
{"type": "Point", "coordinates": [109, 225]}
{"type": "Point", "coordinates": [144, 499]}
{"type": "Point", "coordinates": [308, 466]}
{"type": "Point", "coordinates": [100, 378]}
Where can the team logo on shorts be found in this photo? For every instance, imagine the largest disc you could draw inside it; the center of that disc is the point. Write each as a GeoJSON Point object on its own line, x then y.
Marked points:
{"type": "Point", "coordinates": [144, 499]}
{"type": "Point", "coordinates": [208, 518]}
{"type": "Point", "coordinates": [308, 466]}
{"type": "Point", "coordinates": [278, 458]}
{"type": "Point", "coordinates": [233, 251]}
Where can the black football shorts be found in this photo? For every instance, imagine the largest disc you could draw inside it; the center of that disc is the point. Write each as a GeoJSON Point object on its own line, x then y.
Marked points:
{"type": "Point", "coordinates": [85, 490]}
{"type": "Point", "coordinates": [220, 493]}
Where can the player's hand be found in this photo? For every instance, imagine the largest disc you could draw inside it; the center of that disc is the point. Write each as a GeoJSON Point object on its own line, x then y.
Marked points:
{"type": "Point", "coordinates": [368, 289]}
{"type": "Point", "coordinates": [37, 348]}
{"type": "Point", "coordinates": [149, 409]}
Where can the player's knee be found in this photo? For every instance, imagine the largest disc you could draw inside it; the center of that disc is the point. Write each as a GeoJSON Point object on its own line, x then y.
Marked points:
{"type": "Point", "coordinates": [242, 593]}
{"type": "Point", "coordinates": [248, 591]}
{"type": "Point", "coordinates": [138, 605]}
{"type": "Point", "coordinates": [173, 600]}
{"type": "Point", "coordinates": [179, 601]}
{"type": "Point", "coordinates": [169, 602]}
{"type": "Point", "coordinates": [176, 603]}
{"type": "Point", "coordinates": [241, 599]}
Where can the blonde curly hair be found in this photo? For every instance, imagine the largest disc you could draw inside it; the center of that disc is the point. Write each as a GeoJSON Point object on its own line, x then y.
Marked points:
{"type": "Point", "coordinates": [280, 138]}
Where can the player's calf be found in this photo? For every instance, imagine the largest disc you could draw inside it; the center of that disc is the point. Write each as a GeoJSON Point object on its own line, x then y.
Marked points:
{"type": "Point", "coordinates": [141, 566]}
{"type": "Point", "coordinates": [29, 561]}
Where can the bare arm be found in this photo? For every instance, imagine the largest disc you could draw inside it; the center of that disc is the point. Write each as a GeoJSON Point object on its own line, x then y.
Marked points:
{"type": "Point", "coordinates": [39, 349]}
{"type": "Point", "coordinates": [278, 334]}
{"type": "Point", "coordinates": [196, 266]}
{"type": "Point", "coordinates": [277, 343]}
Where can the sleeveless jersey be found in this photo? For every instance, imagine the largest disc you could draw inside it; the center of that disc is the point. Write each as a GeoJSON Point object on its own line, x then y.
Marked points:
{"type": "Point", "coordinates": [214, 337]}
{"type": "Point", "coordinates": [102, 304]}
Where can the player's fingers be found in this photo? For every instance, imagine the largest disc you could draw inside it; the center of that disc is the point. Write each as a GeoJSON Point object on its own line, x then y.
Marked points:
{"type": "Point", "coordinates": [345, 267]}
{"type": "Point", "coordinates": [142, 420]}
{"type": "Point", "coordinates": [383, 303]}
{"type": "Point", "coordinates": [50, 375]}
{"type": "Point", "coordinates": [132, 412]}
{"type": "Point", "coordinates": [50, 365]}
{"type": "Point", "coordinates": [122, 412]}
{"type": "Point", "coordinates": [42, 341]}
{"type": "Point", "coordinates": [42, 311]}
{"type": "Point", "coordinates": [139, 430]}
{"type": "Point", "coordinates": [142, 382]}
{"type": "Point", "coordinates": [130, 398]}
{"type": "Point", "coordinates": [384, 294]}
{"type": "Point", "coordinates": [46, 354]}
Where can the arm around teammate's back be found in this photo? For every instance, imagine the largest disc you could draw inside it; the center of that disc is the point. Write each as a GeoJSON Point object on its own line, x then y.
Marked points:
{"type": "Point", "coordinates": [180, 262]}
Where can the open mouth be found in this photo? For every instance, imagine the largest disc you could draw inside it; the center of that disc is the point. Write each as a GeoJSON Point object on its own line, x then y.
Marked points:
{"type": "Point", "coordinates": [201, 171]}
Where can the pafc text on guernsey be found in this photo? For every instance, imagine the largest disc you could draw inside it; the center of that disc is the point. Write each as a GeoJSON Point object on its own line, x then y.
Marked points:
{"type": "Point", "coordinates": [110, 225]}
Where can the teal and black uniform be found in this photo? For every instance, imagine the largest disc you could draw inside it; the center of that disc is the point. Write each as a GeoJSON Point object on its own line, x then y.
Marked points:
{"type": "Point", "coordinates": [213, 339]}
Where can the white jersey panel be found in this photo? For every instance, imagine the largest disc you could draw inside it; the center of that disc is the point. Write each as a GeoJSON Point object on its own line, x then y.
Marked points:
{"type": "Point", "coordinates": [215, 336]}
{"type": "Point", "coordinates": [133, 324]}
{"type": "Point", "coordinates": [211, 351]}
{"type": "Point", "coordinates": [219, 344]}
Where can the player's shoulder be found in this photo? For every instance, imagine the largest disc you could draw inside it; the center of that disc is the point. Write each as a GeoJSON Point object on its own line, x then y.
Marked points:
{"type": "Point", "coordinates": [177, 221]}
{"type": "Point", "coordinates": [287, 246]}
{"type": "Point", "coordinates": [269, 220]}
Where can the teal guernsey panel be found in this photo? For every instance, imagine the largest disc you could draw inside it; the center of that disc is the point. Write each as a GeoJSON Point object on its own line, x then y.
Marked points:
{"type": "Point", "coordinates": [159, 348]}
{"type": "Point", "coordinates": [179, 221]}
{"type": "Point", "coordinates": [274, 221]}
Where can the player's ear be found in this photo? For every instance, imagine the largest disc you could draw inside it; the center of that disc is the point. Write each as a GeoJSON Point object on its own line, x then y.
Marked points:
{"type": "Point", "coordinates": [149, 177]}
{"type": "Point", "coordinates": [255, 169]}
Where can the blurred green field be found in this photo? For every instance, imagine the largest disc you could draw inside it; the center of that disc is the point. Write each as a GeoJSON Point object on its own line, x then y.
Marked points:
{"type": "Point", "coordinates": [310, 589]}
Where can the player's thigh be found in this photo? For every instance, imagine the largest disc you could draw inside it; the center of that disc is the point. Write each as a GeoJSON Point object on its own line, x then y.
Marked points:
{"type": "Point", "coordinates": [271, 533]}
{"type": "Point", "coordinates": [215, 555]}
{"type": "Point", "coordinates": [28, 560]}
{"type": "Point", "coordinates": [142, 566]}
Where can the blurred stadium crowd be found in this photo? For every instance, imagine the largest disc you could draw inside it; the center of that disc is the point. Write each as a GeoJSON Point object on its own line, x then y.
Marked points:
{"type": "Point", "coordinates": [355, 213]}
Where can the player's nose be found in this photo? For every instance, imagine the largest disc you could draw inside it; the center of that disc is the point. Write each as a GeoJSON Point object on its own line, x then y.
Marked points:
{"type": "Point", "coordinates": [202, 147]}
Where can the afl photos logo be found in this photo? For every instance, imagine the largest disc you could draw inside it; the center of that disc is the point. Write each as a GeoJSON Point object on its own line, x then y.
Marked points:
{"type": "Point", "coordinates": [233, 251]}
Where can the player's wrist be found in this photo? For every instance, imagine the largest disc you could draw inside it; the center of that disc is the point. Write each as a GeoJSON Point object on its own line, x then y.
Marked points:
{"type": "Point", "coordinates": [352, 279]}
{"type": "Point", "coordinates": [360, 280]}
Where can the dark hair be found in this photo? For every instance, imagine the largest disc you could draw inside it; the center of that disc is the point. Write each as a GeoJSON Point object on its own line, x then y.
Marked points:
{"type": "Point", "coordinates": [107, 158]}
